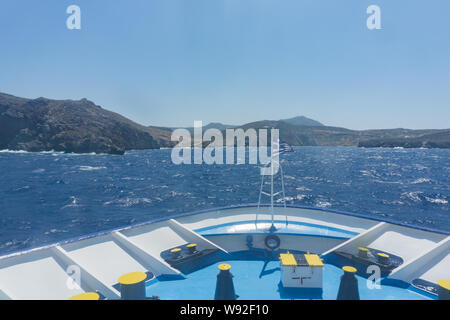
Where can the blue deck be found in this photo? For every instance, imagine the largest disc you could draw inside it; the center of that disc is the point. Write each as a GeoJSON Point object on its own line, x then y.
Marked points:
{"type": "Point", "coordinates": [255, 279]}
{"type": "Point", "coordinates": [262, 226]}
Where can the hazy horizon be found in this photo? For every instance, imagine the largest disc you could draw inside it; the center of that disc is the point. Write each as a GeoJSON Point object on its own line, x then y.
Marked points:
{"type": "Point", "coordinates": [168, 63]}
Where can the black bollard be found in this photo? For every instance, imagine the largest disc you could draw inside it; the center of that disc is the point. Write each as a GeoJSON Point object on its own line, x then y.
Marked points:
{"type": "Point", "coordinates": [192, 248]}
{"type": "Point", "coordinates": [348, 288]}
{"type": "Point", "coordinates": [362, 252]}
{"type": "Point", "coordinates": [176, 252]}
{"type": "Point", "coordinates": [383, 258]}
{"type": "Point", "coordinates": [444, 289]}
{"type": "Point", "coordinates": [224, 285]}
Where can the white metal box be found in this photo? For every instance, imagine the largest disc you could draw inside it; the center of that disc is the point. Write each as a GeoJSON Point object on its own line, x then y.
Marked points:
{"type": "Point", "coordinates": [301, 270]}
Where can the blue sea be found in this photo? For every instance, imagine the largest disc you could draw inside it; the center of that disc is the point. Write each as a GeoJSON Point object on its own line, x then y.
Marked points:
{"type": "Point", "coordinates": [48, 196]}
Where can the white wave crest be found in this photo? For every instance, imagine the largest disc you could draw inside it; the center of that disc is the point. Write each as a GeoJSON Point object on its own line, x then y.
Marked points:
{"type": "Point", "coordinates": [89, 168]}
{"type": "Point", "coordinates": [55, 231]}
{"type": "Point", "coordinates": [437, 201]}
{"type": "Point", "coordinates": [302, 189]}
{"type": "Point", "coordinates": [13, 151]}
{"type": "Point", "coordinates": [421, 180]}
{"type": "Point", "coordinates": [31, 152]}
{"type": "Point", "coordinates": [128, 202]}
{"type": "Point", "coordinates": [323, 204]}
{"type": "Point", "coordinates": [73, 203]}
{"type": "Point", "coordinates": [414, 196]}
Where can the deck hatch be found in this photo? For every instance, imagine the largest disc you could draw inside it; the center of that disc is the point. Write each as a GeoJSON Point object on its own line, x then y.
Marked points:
{"type": "Point", "coordinates": [288, 259]}
{"type": "Point", "coordinates": [313, 260]}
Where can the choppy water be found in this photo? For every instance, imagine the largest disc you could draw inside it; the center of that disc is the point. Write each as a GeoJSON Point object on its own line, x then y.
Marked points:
{"type": "Point", "coordinates": [47, 197]}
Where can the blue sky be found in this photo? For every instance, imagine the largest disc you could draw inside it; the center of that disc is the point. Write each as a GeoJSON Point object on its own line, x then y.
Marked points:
{"type": "Point", "coordinates": [170, 62]}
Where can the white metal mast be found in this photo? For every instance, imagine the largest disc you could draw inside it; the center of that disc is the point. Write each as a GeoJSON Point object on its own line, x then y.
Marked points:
{"type": "Point", "coordinates": [272, 193]}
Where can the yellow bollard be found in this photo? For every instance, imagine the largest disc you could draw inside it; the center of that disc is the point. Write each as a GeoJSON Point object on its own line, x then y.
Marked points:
{"type": "Point", "coordinates": [348, 288]}
{"type": "Point", "coordinates": [86, 296]}
{"type": "Point", "coordinates": [224, 284]}
{"type": "Point", "coordinates": [132, 286]}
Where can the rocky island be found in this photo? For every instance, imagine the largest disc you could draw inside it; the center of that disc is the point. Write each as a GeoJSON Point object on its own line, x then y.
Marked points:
{"type": "Point", "coordinates": [81, 126]}
{"type": "Point", "coordinates": [427, 140]}
{"type": "Point", "coordinates": [78, 126]}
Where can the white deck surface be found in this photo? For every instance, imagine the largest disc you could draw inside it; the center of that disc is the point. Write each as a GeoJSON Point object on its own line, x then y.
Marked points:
{"type": "Point", "coordinates": [156, 238]}
{"type": "Point", "coordinates": [440, 269]}
{"type": "Point", "coordinates": [36, 276]}
{"type": "Point", "coordinates": [103, 258]}
{"type": "Point", "coordinates": [404, 242]}
{"type": "Point", "coordinates": [41, 273]}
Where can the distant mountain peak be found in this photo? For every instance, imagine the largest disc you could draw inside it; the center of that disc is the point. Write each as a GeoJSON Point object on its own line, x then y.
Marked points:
{"type": "Point", "coordinates": [218, 125]}
{"type": "Point", "coordinates": [303, 121]}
